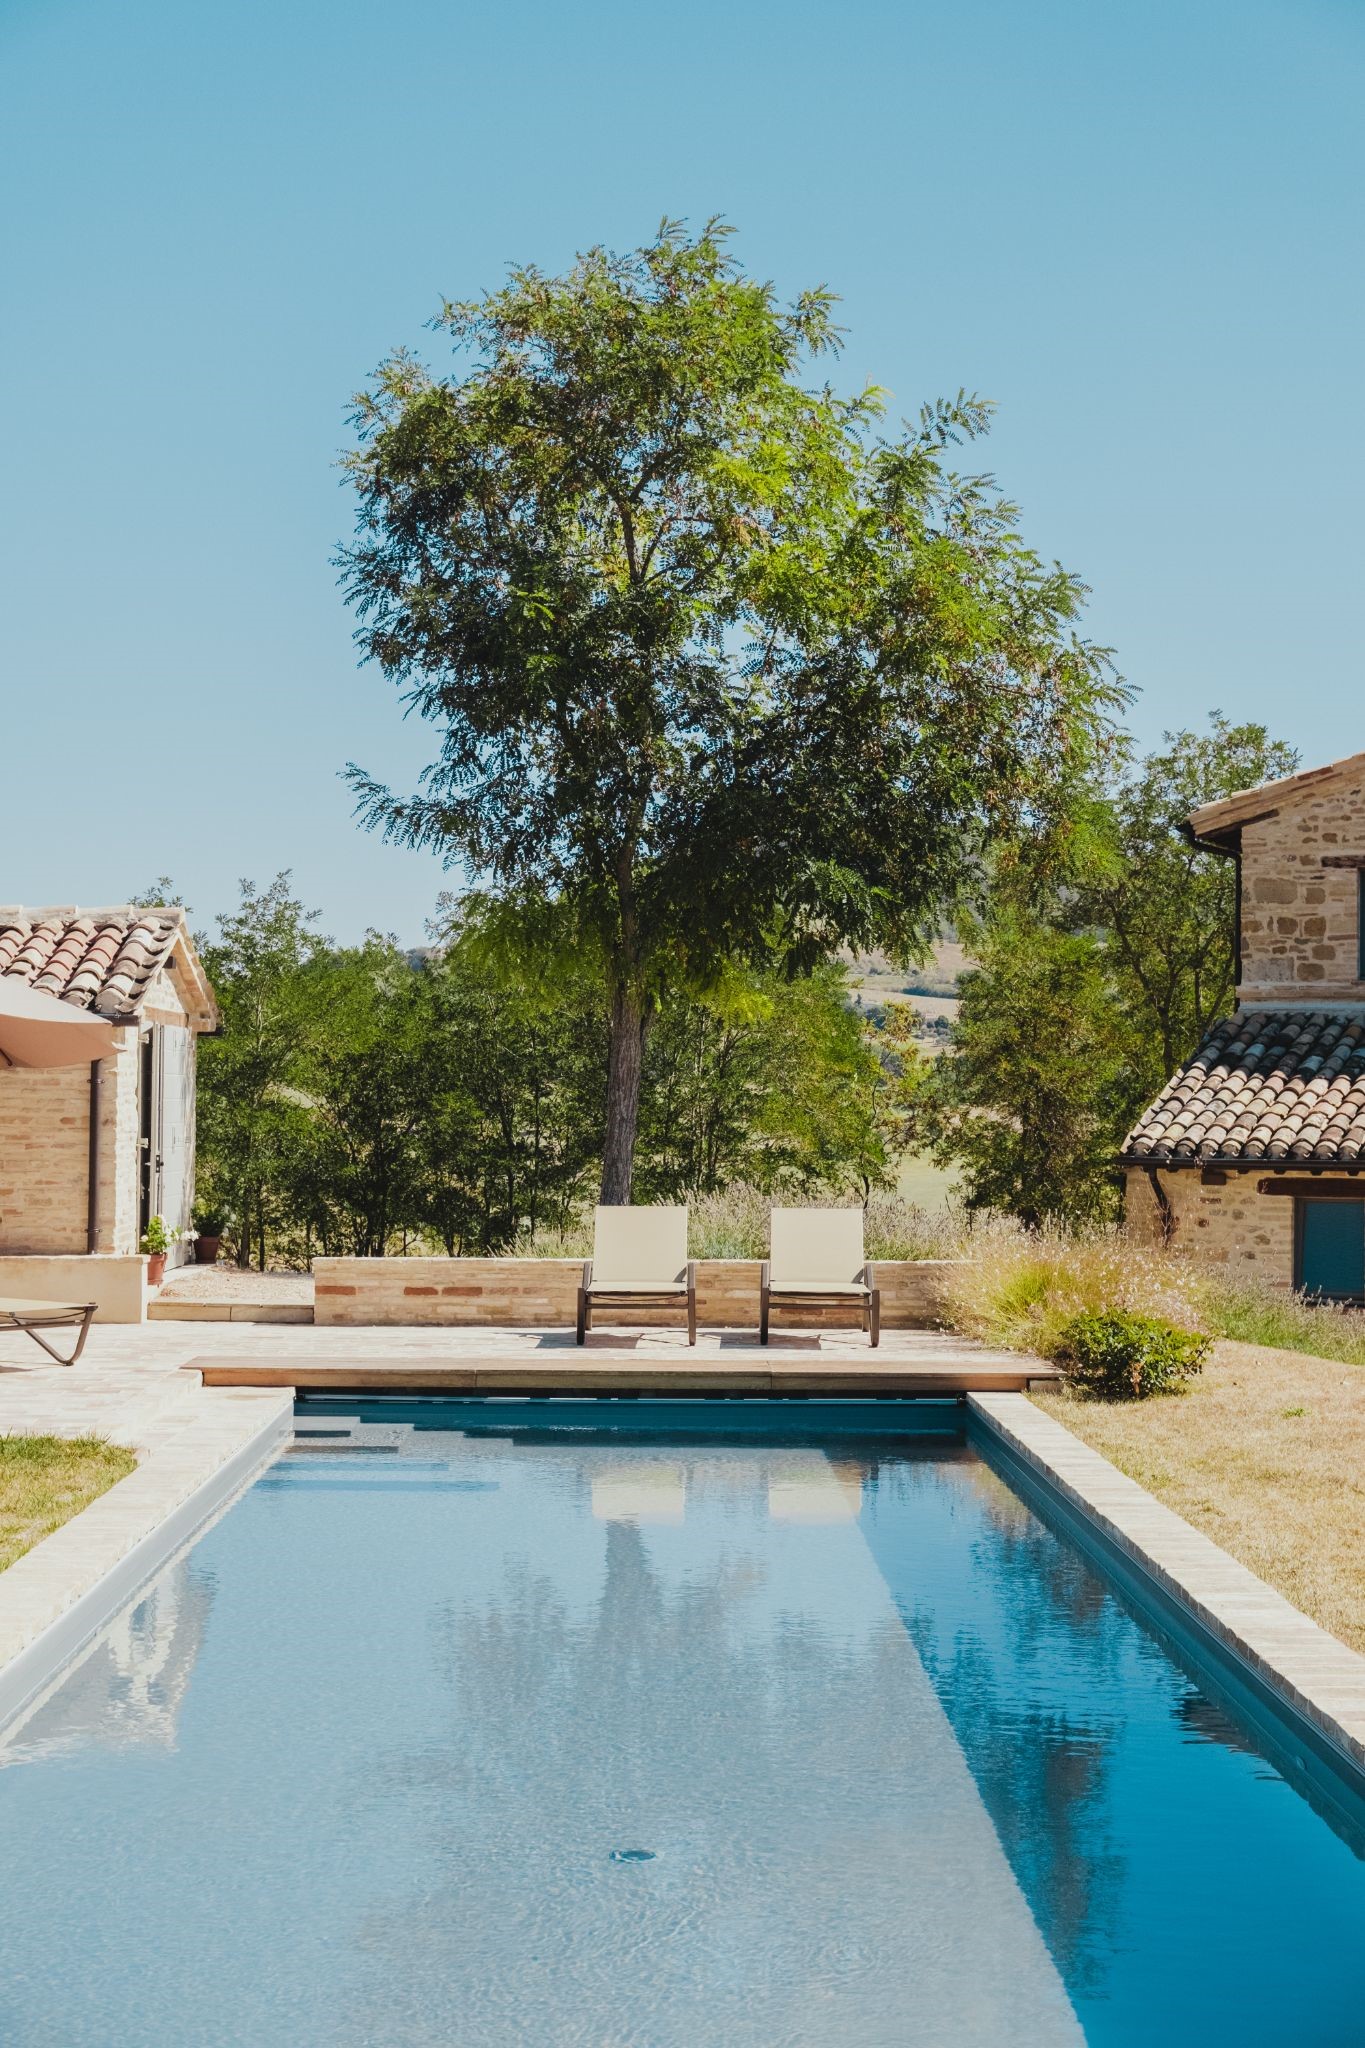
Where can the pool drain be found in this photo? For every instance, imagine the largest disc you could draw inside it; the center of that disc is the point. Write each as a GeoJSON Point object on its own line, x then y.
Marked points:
{"type": "Point", "coordinates": [633, 1855]}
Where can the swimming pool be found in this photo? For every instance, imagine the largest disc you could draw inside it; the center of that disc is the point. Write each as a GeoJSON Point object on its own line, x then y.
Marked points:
{"type": "Point", "coordinates": [635, 1725]}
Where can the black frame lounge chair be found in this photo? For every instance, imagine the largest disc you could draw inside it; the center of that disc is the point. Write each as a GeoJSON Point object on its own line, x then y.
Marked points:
{"type": "Point", "coordinates": [639, 1261]}
{"type": "Point", "coordinates": [817, 1262]}
{"type": "Point", "coordinates": [33, 1316]}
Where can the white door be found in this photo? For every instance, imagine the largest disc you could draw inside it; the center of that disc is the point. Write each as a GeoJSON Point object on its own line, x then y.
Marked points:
{"type": "Point", "coordinates": [175, 1124]}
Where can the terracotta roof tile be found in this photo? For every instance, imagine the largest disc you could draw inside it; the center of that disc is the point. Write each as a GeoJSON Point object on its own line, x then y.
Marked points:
{"type": "Point", "coordinates": [1278, 1085]}
{"type": "Point", "coordinates": [103, 960]}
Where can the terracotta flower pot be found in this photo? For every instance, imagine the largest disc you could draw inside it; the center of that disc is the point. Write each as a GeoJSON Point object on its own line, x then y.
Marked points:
{"type": "Point", "coordinates": [206, 1250]}
{"type": "Point", "coordinates": [156, 1268]}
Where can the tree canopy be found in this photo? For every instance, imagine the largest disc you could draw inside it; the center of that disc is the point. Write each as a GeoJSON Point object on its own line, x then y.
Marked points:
{"type": "Point", "coordinates": [1094, 979]}
{"type": "Point", "coordinates": [720, 671]}
{"type": "Point", "coordinates": [368, 1100]}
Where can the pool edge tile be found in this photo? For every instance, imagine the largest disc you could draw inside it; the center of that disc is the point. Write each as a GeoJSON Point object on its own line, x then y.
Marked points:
{"type": "Point", "coordinates": [1314, 1673]}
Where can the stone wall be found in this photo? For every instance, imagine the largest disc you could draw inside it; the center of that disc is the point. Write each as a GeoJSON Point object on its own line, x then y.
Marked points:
{"type": "Point", "coordinates": [1299, 916]}
{"type": "Point", "coordinates": [116, 1285]}
{"type": "Point", "coordinates": [543, 1293]}
{"type": "Point", "coordinates": [1231, 1226]}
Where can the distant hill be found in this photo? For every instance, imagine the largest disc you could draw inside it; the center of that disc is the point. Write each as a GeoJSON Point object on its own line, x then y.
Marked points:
{"type": "Point", "coordinates": [879, 981]}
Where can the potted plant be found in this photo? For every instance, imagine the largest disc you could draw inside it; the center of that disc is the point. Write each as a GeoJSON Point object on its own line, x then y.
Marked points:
{"type": "Point", "coordinates": [209, 1225]}
{"type": "Point", "coordinates": [157, 1240]}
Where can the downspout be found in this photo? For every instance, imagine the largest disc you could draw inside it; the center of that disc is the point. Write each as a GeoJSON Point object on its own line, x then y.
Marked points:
{"type": "Point", "coordinates": [1163, 1204]}
{"type": "Point", "coordinates": [92, 1186]}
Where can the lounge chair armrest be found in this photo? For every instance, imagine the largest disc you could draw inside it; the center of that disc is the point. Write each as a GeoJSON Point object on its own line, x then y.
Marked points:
{"type": "Point", "coordinates": [765, 1272]}
{"type": "Point", "coordinates": [867, 1276]}
{"type": "Point", "coordinates": [691, 1282]}
{"type": "Point", "coordinates": [587, 1272]}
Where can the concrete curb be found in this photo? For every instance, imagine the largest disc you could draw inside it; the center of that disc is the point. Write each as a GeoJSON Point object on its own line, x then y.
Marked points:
{"type": "Point", "coordinates": [1298, 1663]}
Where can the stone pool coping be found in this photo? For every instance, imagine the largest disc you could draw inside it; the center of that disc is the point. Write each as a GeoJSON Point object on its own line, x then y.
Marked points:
{"type": "Point", "coordinates": [1318, 1677]}
{"type": "Point", "coordinates": [55, 1599]}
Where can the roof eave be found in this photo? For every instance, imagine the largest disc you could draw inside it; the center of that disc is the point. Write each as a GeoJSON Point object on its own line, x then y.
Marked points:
{"type": "Point", "coordinates": [1227, 815]}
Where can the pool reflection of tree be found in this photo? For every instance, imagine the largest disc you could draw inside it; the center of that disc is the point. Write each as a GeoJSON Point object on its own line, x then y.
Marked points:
{"type": "Point", "coordinates": [565, 1745]}
{"type": "Point", "coordinates": [126, 1692]}
{"type": "Point", "coordinates": [1041, 1773]}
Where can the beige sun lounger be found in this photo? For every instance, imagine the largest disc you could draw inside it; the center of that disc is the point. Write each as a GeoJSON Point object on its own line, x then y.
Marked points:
{"type": "Point", "coordinates": [639, 1260]}
{"type": "Point", "coordinates": [817, 1261]}
{"type": "Point", "coordinates": [33, 1316]}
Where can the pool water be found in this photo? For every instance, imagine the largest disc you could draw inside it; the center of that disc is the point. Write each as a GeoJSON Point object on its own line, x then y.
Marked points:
{"type": "Point", "coordinates": [636, 1725]}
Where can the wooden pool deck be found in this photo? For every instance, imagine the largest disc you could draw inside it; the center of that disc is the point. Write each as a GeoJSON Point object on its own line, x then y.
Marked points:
{"type": "Point", "coordinates": [923, 1363]}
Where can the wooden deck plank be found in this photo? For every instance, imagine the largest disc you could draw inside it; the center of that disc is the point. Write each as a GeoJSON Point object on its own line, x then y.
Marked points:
{"type": "Point", "coordinates": [629, 1372]}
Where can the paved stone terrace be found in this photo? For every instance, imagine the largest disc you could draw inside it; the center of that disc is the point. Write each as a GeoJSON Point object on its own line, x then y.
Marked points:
{"type": "Point", "coordinates": [129, 1372]}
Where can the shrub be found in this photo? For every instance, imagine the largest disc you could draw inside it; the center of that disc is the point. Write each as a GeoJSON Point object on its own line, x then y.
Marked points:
{"type": "Point", "coordinates": [1120, 1356]}
{"type": "Point", "coordinates": [1022, 1288]}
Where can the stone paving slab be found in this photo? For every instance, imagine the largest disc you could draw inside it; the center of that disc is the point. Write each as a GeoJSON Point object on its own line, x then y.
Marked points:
{"type": "Point", "coordinates": [1300, 1662]}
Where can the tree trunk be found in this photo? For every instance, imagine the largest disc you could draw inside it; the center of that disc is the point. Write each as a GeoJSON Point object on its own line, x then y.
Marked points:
{"type": "Point", "coordinates": [624, 1062]}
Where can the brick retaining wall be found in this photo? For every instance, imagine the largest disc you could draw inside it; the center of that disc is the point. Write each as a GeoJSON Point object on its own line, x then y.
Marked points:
{"type": "Point", "coordinates": [544, 1293]}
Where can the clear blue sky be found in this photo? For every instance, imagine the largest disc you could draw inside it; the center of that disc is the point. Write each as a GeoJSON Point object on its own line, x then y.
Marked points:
{"type": "Point", "coordinates": [1138, 228]}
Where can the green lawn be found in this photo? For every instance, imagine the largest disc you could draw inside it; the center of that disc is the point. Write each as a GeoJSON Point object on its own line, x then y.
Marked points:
{"type": "Point", "coordinates": [45, 1480]}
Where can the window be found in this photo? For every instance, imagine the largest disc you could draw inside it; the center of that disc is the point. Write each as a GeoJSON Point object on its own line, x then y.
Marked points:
{"type": "Point", "coordinates": [1331, 1249]}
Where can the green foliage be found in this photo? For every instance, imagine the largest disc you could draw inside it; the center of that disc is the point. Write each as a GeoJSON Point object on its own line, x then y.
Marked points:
{"type": "Point", "coordinates": [1100, 965]}
{"type": "Point", "coordinates": [1022, 1288]}
{"type": "Point", "coordinates": [1166, 908]}
{"type": "Point", "coordinates": [778, 1086]}
{"type": "Point", "coordinates": [158, 1236]}
{"type": "Point", "coordinates": [265, 967]}
{"type": "Point", "coordinates": [1121, 1356]}
{"type": "Point", "coordinates": [363, 1100]}
{"type": "Point", "coordinates": [716, 672]}
{"type": "Point", "coordinates": [732, 1223]}
{"type": "Point", "coordinates": [160, 895]}
{"type": "Point", "coordinates": [1037, 1083]}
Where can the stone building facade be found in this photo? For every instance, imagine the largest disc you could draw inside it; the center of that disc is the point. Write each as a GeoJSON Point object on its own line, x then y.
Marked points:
{"type": "Point", "coordinates": [88, 1154]}
{"type": "Point", "coordinates": [1253, 1156]}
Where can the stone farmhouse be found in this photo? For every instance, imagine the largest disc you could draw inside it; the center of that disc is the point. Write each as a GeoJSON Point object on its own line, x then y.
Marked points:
{"type": "Point", "coordinates": [1253, 1155]}
{"type": "Point", "coordinates": [88, 1155]}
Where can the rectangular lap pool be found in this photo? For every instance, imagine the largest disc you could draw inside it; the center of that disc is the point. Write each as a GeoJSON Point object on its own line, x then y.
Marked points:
{"type": "Point", "coordinates": [619, 1724]}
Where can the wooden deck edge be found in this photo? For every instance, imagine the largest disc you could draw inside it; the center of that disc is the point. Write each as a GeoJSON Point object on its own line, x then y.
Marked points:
{"type": "Point", "coordinates": [626, 1376]}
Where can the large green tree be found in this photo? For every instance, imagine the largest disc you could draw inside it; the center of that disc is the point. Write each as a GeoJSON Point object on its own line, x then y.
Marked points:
{"type": "Point", "coordinates": [1167, 907]}
{"type": "Point", "coordinates": [719, 671]}
{"type": "Point", "coordinates": [1094, 978]}
{"type": "Point", "coordinates": [1031, 1099]}
{"type": "Point", "coordinates": [252, 1109]}
{"type": "Point", "coordinates": [777, 1085]}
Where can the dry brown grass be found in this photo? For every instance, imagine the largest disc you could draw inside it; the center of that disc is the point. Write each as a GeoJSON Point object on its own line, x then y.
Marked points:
{"type": "Point", "coordinates": [45, 1480]}
{"type": "Point", "coordinates": [1266, 1454]}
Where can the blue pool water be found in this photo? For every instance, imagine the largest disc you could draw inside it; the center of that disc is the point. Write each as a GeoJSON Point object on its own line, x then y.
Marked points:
{"type": "Point", "coordinates": [770, 1726]}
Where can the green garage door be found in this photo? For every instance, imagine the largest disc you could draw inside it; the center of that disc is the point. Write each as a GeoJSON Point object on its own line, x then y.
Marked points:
{"type": "Point", "coordinates": [1332, 1248]}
